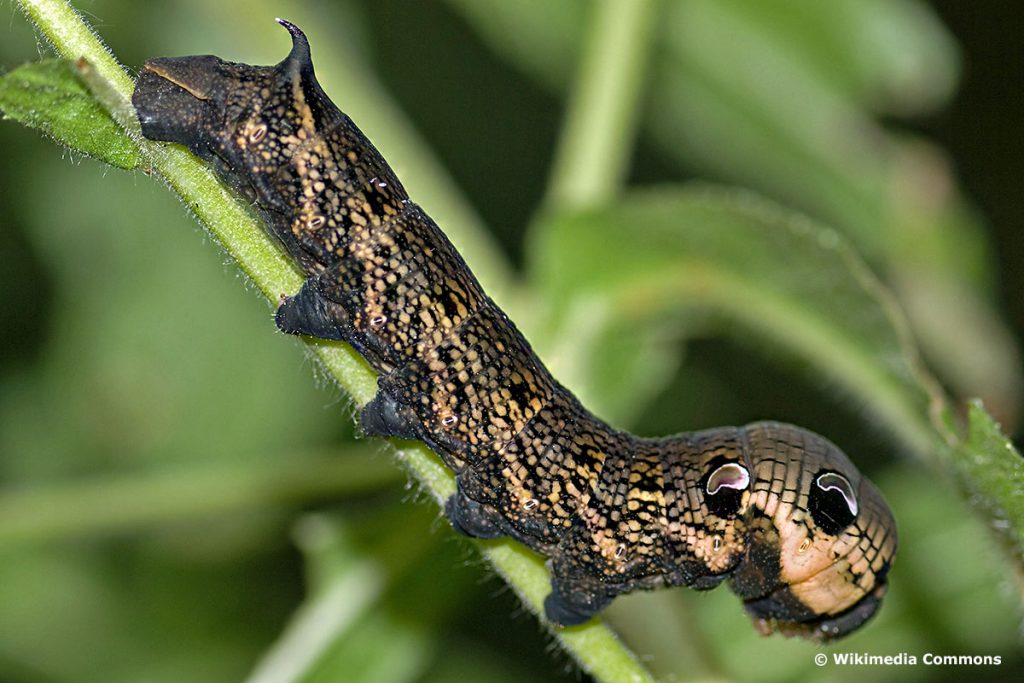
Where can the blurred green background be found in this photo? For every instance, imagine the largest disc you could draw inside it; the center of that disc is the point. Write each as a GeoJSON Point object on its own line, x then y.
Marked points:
{"type": "Point", "coordinates": [181, 499]}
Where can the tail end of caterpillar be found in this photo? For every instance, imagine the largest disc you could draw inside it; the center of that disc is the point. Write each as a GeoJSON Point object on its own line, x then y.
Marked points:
{"type": "Point", "coordinates": [171, 99]}
{"type": "Point", "coordinates": [300, 57]}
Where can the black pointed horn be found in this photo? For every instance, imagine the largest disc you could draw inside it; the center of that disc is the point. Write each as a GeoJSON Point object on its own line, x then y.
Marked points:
{"type": "Point", "coordinates": [300, 54]}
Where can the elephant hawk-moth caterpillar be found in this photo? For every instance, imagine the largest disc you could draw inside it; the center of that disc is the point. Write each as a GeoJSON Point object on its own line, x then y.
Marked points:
{"type": "Point", "coordinates": [781, 513]}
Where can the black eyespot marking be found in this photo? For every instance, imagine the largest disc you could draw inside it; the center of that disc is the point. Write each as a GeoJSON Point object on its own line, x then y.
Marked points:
{"type": "Point", "coordinates": [724, 485]}
{"type": "Point", "coordinates": [832, 503]}
{"type": "Point", "coordinates": [613, 512]}
{"type": "Point", "coordinates": [831, 481]}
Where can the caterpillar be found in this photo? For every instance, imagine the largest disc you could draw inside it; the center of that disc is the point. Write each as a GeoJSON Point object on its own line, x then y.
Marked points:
{"type": "Point", "coordinates": [778, 512]}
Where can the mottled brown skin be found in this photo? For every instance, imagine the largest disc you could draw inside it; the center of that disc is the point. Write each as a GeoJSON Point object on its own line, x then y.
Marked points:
{"type": "Point", "coordinates": [776, 510]}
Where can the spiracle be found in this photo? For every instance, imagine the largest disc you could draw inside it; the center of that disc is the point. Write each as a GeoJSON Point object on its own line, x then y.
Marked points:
{"type": "Point", "coordinates": [778, 512]}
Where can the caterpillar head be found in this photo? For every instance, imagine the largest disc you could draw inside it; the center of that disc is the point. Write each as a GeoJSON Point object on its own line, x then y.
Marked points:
{"type": "Point", "coordinates": [820, 538]}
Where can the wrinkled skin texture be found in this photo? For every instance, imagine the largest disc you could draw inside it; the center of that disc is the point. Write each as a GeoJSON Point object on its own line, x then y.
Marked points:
{"type": "Point", "coordinates": [776, 511]}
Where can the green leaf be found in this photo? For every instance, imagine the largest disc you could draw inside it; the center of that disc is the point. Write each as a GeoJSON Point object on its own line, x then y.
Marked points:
{"type": "Point", "coordinates": [785, 279]}
{"type": "Point", "coordinates": [993, 472]}
{"type": "Point", "coordinates": [783, 98]}
{"type": "Point", "coordinates": [50, 97]}
{"type": "Point", "coordinates": [769, 111]}
{"type": "Point", "coordinates": [893, 56]}
{"type": "Point", "coordinates": [116, 504]}
{"type": "Point", "coordinates": [888, 56]}
{"type": "Point", "coordinates": [784, 105]}
{"type": "Point", "coordinates": [541, 37]}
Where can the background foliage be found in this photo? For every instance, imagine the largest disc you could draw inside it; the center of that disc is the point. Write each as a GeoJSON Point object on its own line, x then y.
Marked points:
{"type": "Point", "coordinates": [177, 492]}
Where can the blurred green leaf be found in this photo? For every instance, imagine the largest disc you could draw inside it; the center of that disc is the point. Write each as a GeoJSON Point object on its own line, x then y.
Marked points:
{"type": "Point", "coordinates": [787, 280]}
{"type": "Point", "coordinates": [150, 616]}
{"type": "Point", "coordinates": [117, 504]}
{"type": "Point", "coordinates": [891, 56]}
{"type": "Point", "coordinates": [50, 97]}
{"type": "Point", "coordinates": [783, 98]}
{"type": "Point", "coordinates": [140, 352]}
{"type": "Point", "coordinates": [982, 357]}
{"type": "Point", "coordinates": [772, 95]}
{"type": "Point", "coordinates": [541, 37]}
{"type": "Point", "coordinates": [993, 472]}
{"type": "Point", "coordinates": [381, 592]}
{"type": "Point", "coordinates": [380, 649]}
{"type": "Point", "coordinates": [614, 360]}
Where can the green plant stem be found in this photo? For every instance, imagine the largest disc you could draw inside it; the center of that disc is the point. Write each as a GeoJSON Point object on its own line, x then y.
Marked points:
{"type": "Point", "coordinates": [228, 221]}
{"type": "Point", "coordinates": [348, 605]}
{"type": "Point", "coordinates": [322, 619]}
{"type": "Point", "coordinates": [116, 504]}
{"type": "Point", "coordinates": [71, 38]}
{"type": "Point", "coordinates": [599, 127]}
